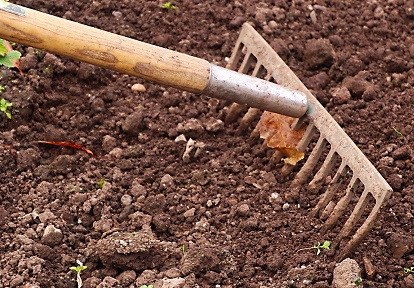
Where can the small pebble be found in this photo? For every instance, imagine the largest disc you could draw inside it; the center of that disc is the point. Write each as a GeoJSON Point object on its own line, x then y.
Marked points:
{"type": "Point", "coordinates": [138, 88]}
{"type": "Point", "coordinates": [180, 139]}
{"type": "Point", "coordinates": [126, 200]}
{"type": "Point", "coordinates": [52, 236]}
{"type": "Point", "coordinates": [189, 213]}
{"type": "Point", "coordinates": [243, 210]}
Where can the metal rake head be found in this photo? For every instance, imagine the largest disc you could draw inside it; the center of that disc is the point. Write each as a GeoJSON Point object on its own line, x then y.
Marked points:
{"type": "Point", "coordinates": [335, 164]}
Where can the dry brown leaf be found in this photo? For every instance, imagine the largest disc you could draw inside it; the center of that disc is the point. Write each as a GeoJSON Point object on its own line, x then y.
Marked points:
{"type": "Point", "coordinates": [276, 130]}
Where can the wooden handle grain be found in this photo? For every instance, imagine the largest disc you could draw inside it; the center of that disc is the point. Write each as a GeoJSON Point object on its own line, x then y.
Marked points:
{"type": "Point", "coordinates": [101, 48]}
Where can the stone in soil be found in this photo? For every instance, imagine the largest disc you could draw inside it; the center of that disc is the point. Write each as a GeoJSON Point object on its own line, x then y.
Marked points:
{"type": "Point", "coordinates": [136, 250]}
{"type": "Point", "coordinates": [52, 236]}
{"type": "Point", "coordinates": [318, 53]}
{"type": "Point", "coordinates": [200, 257]}
{"type": "Point", "coordinates": [346, 273]}
{"type": "Point", "coordinates": [134, 122]}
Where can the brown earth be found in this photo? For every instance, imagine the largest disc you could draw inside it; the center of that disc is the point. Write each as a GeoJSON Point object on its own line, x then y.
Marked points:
{"type": "Point", "coordinates": [212, 220]}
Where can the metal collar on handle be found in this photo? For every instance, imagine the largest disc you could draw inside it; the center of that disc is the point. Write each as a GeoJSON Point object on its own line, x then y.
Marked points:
{"type": "Point", "coordinates": [254, 92]}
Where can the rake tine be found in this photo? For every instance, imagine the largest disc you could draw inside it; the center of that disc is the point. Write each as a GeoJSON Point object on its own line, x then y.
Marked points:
{"type": "Point", "coordinates": [233, 113]}
{"type": "Point", "coordinates": [324, 171]}
{"type": "Point", "coordinates": [340, 207]}
{"type": "Point", "coordinates": [332, 189]}
{"type": "Point", "coordinates": [362, 231]}
{"type": "Point", "coordinates": [356, 215]}
{"type": "Point", "coordinates": [301, 146]}
{"type": "Point", "coordinates": [236, 55]}
{"type": "Point", "coordinates": [304, 173]}
{"type": "Point", "coordinates": [247, 120]}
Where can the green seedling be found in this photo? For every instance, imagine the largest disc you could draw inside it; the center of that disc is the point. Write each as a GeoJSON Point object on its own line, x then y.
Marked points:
{"type": "Point", "coordinates": [78, 269]}
{"type": "Point", "coordinates": [397, 132]}
{"type": "Point", "coordinates": [168, 6]}
{"type": "Point", "coordinates": [409, 270]}
{"type": "Point", "coordinates": [358, 281]}
{"type": "Point", "coordinates": [318, 247]}
{"type": "Point", "coordinates": [146, 286]}
{"type": "Point", "coordinates": [3, 107]}
{"type": "Point", "coordinates": [183, 249]}
{"type": "Point", "coordinates": [101, 183]}
{"type": "Point", "coordinates": [2, 88]}
{"type": "Point", "coordinates": [6, 57]}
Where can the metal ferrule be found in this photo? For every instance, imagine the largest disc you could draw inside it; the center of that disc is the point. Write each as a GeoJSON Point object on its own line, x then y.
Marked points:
{"type": "Point", "coordinates": [254, 92]}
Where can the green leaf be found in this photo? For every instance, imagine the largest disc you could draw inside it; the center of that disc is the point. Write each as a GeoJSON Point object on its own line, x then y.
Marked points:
{"type": "Point", "coordinates": [74, 268]}
{"type": "Point", "coordinates": [3, 49]}
{"type": "Point", "coordinates": [14, 55]}
{"type": "Point", "coordinates": [6, 60]}
{"type": "Point", "coordinates": [326, 245]}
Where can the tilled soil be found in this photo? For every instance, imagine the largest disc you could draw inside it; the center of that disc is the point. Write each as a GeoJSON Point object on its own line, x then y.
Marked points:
{"type": "Point", "coordinates": [139, 212]}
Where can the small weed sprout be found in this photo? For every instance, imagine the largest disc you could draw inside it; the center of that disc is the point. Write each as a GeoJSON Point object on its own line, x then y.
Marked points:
{"type": "Point", "coordinates": [183, 249]}
{"type": "Point", "coordinates": [3, 107]}
{"type": "Point", "coordinates": [2, 88]}
{"type": "Point", "coordinates": [101, 183]}
{"type": "Point", "coordinates": [78, 269]}
{"type": "Point", "coordinates": [169, 6]}
{"type": "Point", "coordinates": [147, 286]}
{"type": "Point", "coordinates": [6, 58]}
{"type": "Point", "coordinates": [318, 247]}
{"type": "Point", "coordinates": [409, 270]}
{"type": "Point", "coordinates": [358, 281]}
{"type": "Point", "coordinates": [397, 132]}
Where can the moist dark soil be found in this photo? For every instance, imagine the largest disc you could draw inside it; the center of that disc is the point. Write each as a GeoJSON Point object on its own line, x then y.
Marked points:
{"type": "Point", "coordinates": [138, 213]}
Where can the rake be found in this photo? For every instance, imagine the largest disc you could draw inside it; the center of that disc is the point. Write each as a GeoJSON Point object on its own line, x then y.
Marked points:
{"type": "Point", "coordinates": [353, 176]}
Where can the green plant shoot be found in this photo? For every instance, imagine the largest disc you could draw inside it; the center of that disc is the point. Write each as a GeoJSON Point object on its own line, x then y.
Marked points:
{"type": "Point", "coordinates": [3, 107]}
{"type": "Point", "coordinates": [183, 249]}
{"type": "Point", "coordinates": [101, 183]}
{"type": "Point", "coordinates": [2, 88]}
{"type": "Point", "coordinates": [6, 58]}
{"type": "Point", "coordinates": [168, 6]}
{"type": "Point", "coordinates": [146, 286]}
{"type": "Point", "coordinates": [78, 269]}
{"type": "Point", "coordinates": [397, 132]}
{"type": "Point", "coordinates": [409, 270]}
{"type": "Point", "coordinates": [358, 281]}
{"type": "Point", "coordinates": [318, 247]}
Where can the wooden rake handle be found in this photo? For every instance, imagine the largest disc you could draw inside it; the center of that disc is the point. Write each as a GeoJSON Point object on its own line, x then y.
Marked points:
{"type": "Point", "coordinates": [101, 48]}
{"type": "Point", "coordinates": [146, 61]}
